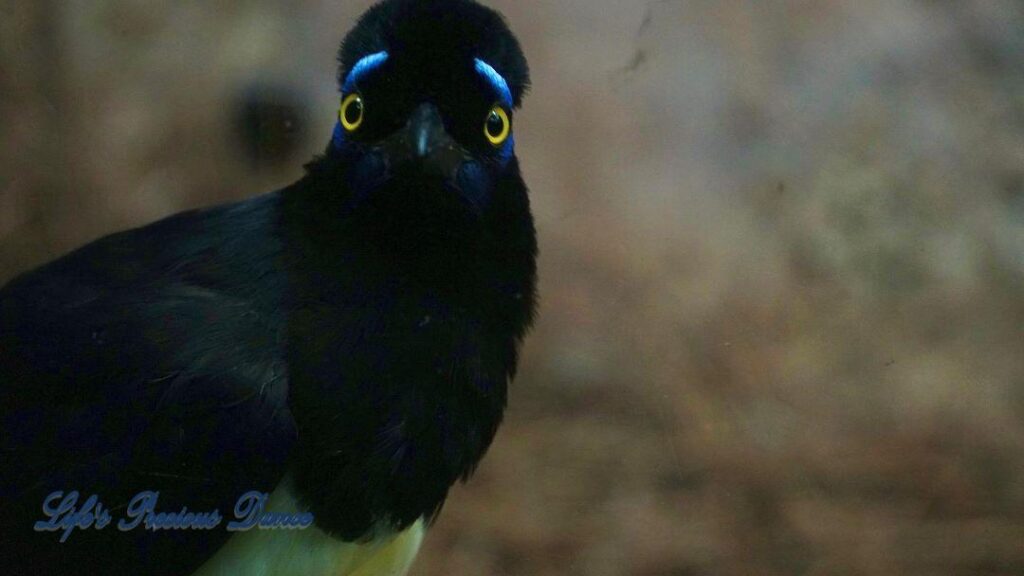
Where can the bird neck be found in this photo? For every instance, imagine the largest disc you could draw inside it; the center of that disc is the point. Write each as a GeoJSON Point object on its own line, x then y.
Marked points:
{"type": "Point", "coordinates": [401, 347]}
{"type": "Point", "coordinates": [438, 249]}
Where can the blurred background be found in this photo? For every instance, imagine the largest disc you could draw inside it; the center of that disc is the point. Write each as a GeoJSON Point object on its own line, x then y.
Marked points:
{"type": "Point", "coordinates": [782, 265]}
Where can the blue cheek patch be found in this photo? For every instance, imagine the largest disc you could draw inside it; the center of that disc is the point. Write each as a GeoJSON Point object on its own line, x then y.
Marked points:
{"type": "Point", "coordinates": [339, 134]}
{"type": "Point", "coordinates": [364, 66]}
{"type": "Point", "coordinates": [474, 185]}
{"type": "Point", "coordinates": [368, 171]}
{"type": "Point", "coordinates": [506, 150]}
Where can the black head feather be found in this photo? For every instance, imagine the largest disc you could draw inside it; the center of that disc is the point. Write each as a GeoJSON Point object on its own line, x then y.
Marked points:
{"type": "Point", "coordinates": [427, 209]}
{"type": "Point", "coordinates": [431, 35]}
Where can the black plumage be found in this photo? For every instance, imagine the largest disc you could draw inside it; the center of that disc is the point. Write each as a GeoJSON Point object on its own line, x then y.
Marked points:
{"type": "Point", "coordinates": [355, 331]}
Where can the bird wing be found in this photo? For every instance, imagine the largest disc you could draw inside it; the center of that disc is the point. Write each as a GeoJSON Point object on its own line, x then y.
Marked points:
{"type": "Point", "coordinates": [169, 387]}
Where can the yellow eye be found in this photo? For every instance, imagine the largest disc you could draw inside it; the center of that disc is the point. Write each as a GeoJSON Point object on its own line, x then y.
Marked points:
{"type": "Point", "coordinates": [497, 126]}
{"type": "Point", "coordinates": [351, 112]}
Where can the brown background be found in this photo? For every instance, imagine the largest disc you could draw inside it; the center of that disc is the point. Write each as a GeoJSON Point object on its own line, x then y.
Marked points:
{"type": "Point", "coordinates": [782, 274]}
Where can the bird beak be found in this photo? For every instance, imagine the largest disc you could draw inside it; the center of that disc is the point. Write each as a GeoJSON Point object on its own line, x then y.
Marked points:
{"type": "Point", "coordinates": [424, 144]}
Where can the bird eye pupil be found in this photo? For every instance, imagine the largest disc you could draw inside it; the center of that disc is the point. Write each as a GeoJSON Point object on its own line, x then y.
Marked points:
{"type": "Point", "coordinates": [354, 112]}
{"type": "Point", "coordinates": [495, 125]}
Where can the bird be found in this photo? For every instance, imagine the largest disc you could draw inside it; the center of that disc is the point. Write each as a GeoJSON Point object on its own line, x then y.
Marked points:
{"type": "Point", "coordinates": [326, 360]}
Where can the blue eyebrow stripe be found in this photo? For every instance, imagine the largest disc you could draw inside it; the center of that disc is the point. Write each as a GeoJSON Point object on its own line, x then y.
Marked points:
{"type": "Point", "coordinates": [495, 80]}
{"type": "Point", "coordinates": [364, 66]}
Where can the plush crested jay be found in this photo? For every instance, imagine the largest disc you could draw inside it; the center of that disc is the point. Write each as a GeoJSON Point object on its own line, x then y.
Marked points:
{"type": "Point", "coordinates": [341, 346]}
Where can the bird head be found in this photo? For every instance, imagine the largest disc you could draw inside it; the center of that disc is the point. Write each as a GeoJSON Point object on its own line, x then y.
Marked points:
{"type": "Point", "coordinates": [428, 90]}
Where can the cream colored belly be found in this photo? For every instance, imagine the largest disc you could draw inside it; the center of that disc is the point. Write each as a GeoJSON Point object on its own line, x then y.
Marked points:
{"type": "Point", "coordinates": [311, 552]}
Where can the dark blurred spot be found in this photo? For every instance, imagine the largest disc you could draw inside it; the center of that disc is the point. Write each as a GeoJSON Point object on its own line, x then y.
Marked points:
{"type": "Point", "coordinates": [638, 60]}
{"type": "Point", "coordinates": [684, 478]}
{"type": "Point", "coordinates": [640, 56]}
{"type": "Point", "coordinates": [269, 123]}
